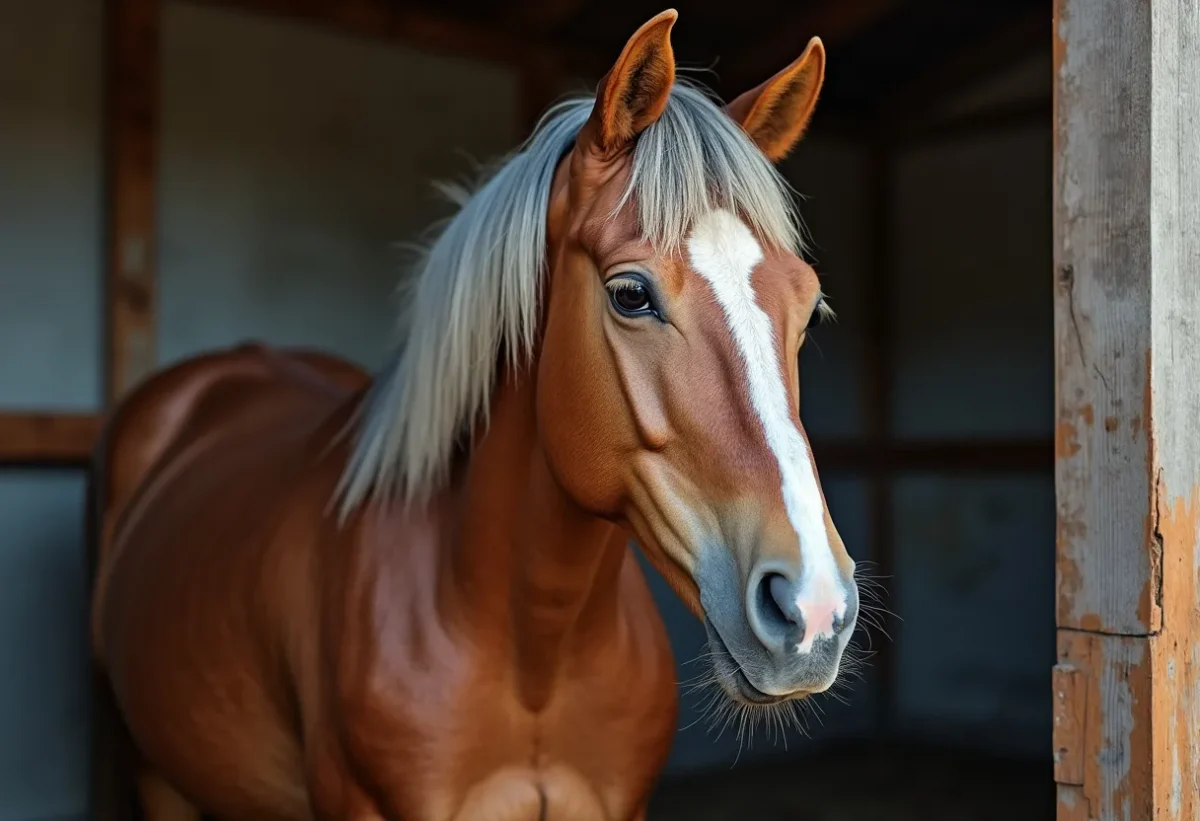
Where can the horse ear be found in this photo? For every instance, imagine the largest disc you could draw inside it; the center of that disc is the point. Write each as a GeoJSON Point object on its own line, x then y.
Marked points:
{"type": "Point", "coordinates": [776, 113]}
{"type": "Point", "coordinates": [634, 92]}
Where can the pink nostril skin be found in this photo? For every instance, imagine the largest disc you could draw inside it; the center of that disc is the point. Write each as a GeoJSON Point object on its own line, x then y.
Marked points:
{"type": "Point", "coordinates": [822, 606]}
{"type": "Point", "coordinates": [789, 616]}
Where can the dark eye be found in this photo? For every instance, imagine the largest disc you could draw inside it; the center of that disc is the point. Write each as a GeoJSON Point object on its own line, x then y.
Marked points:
{"type": "Point", "coordinates": [630, 296]}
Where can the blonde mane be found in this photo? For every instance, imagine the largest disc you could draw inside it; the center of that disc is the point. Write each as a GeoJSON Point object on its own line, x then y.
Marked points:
{"type": "Point", "coordinates": [475, 294]}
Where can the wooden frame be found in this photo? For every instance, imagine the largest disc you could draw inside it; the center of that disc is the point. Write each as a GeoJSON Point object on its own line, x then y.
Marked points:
{"type": "Point", "coordinates": [1127, 475]}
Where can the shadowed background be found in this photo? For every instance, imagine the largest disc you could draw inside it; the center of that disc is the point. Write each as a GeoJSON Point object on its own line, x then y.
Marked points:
{"type": "Point", "coordinates": [278, 151]}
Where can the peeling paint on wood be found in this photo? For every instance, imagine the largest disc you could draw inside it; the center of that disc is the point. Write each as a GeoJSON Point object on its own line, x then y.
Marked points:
{"type": "Point", "coordinates": [1127, 328]}
{"type": "Point", "coordinates": [1108, 756]}
{"type": "Point", "coordinates": [1070, 708]}
{"type": "Point", "coordinates": [1072, 806]}
{"type": "Point", "coordinates": [1102, 316]}
{"type": "Point", "coordinates": [1176, 655]}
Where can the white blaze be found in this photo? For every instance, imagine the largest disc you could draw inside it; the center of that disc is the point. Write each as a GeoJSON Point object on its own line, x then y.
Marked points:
{"type": "Point", "coordinates": [724, 251]}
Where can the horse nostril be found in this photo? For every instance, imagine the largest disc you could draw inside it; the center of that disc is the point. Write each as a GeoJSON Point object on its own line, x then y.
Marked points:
{"type": "Point", "coordinates": [783, 595]}
{"type": "Point", "coordinates": [789, 616]}
{"type": "Point", "coordinates": [776, 604]}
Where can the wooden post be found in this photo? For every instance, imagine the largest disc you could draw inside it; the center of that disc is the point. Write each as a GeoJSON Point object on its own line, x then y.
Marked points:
{"type": "Point", "coordinates": [132, 170]}
{"type": "Point", "coordinates": [132, 43]}
{"type": "Point", "coordinates": [1127, 443]}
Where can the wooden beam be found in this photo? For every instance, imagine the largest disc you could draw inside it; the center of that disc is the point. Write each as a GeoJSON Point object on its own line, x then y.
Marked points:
{"type": "Point", "coordinates": [132, 176]}
{"type": "Point", "coordinates": [1126, 256]}
{"type": "Point", "coordinates": [833, 22]}
{"type": "Point", "coordinates": [47, 439]}
{"type": "Point", "coordinates": [426, 30]}
{"type": "Point", "coordinates": [964, 68]}
{"type": "Point", "coordinates": [132, 78]}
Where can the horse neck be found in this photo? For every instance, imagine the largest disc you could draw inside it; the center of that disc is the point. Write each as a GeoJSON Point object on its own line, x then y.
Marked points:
{"type": "Point", "coordinates": [526, 555]}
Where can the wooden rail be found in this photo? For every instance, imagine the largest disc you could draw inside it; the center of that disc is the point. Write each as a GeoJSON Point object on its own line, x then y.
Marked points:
{"type": "Point", "coordinates": [46, 439]}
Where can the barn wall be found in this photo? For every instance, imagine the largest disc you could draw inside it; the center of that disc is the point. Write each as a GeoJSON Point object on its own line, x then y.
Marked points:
{"type": "Point", "coordinates": [49, 203]}
{"type": "Point", "coordinates": [974, 576]}
{"type": "Point", "coordinates": [50, 248]}
{"type": "Point", "coordinates": [292, 163]}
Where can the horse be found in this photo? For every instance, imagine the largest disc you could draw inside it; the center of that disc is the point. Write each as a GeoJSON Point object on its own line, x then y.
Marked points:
{"type": "Point", "coordinates": [413, 594]}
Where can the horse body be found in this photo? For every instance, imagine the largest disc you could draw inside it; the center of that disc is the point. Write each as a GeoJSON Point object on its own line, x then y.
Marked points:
{"type": "Point", "coordinates": [266, 657]}
{"type": "Point", "coordinates": [411, 596]}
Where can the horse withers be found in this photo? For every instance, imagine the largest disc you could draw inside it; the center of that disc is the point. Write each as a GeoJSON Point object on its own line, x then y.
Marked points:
{"type": "Point", "coordinates": [410, 596]}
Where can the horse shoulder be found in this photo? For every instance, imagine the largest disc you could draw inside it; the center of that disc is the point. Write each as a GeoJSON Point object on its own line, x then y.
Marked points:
{"type": "Point", "coordinates": [382, 666]}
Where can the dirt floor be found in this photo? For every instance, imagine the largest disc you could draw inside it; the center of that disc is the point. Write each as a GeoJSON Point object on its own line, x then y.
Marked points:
{"type": "Point", "coordinates": [865, 784]}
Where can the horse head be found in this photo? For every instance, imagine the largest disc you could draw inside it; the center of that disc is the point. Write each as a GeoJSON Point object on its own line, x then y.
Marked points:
{"type": "Point", "coordinates": [668, 389]}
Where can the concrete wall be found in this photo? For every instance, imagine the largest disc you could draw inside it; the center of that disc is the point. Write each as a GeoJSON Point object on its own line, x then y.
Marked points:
{"type": "Point", "coordinates": [50, 238]}
{"type": "Point", "coordinates": [293, 163]}
{"type": "Point", "coordinates": [50, 230]}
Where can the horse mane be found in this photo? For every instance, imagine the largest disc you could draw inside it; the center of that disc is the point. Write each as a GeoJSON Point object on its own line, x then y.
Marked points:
{"type": "Point", "coordinates": [475, 292]}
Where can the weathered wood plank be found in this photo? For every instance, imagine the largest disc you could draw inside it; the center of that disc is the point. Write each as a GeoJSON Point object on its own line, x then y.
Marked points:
{"type": "Point", "coordinates": [1102, 185]}
{"type": "Point", "coordinates": [1112, 749]}
{"type": "Point", "coordinates": [132, 166]}
{"type": "Point", "coordinates": [1070, 721]}
{"type": "Point", "coordinates": [1174, 403]}
{"type": "Point", "coordinates": [1072, 806]}
{"type": "Point", "coordinates": [47, 438]}
{"type": "Point", "coordinates": [1176, 655]}
{"type": "Point", "coordinates": [1127, 324]}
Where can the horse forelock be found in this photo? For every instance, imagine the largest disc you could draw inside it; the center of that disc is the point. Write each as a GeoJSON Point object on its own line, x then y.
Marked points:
{"type": "Point", "coordinates": [474, 296]}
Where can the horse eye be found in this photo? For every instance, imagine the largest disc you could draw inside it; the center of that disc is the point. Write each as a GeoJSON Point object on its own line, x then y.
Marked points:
{"type": "Point", "coordinates": [630, 297]}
